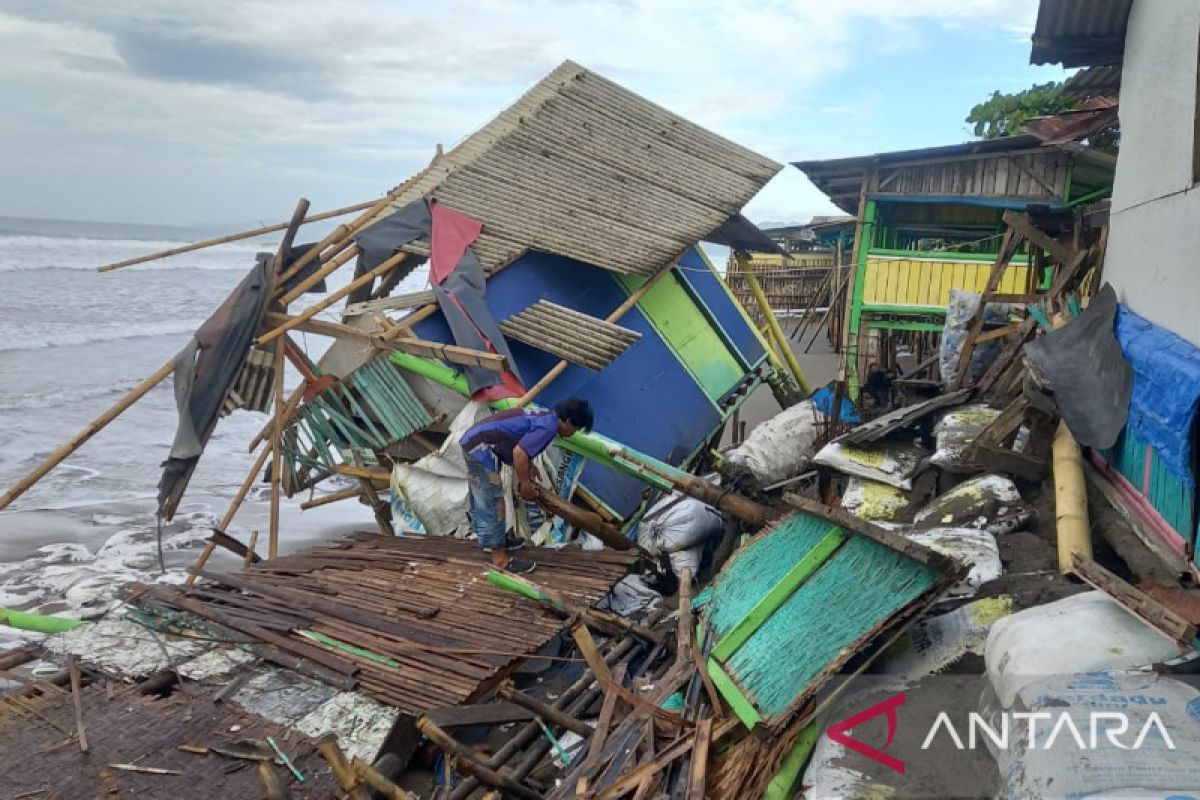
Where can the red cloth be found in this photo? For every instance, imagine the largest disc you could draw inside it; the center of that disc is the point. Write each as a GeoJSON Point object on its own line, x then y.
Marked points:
{"type": "Point", "coordinates": [452, 234]}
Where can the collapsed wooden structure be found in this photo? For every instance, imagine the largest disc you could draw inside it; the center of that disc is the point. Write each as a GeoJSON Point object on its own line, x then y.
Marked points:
{"type": "Point", "coordinates": [930, 221]}
{"type": "Point", "coordinates": [586, 204]}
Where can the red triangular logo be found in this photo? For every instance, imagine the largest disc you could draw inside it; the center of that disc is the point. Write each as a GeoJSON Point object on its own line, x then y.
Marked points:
{"type": "Point", "coordinates": [838, 732]}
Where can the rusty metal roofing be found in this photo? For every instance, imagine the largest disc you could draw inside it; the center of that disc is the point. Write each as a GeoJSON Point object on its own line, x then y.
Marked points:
{"type": "Point", "coordinates": [1079, 33]}
{"type": "Point", "coordinates": [1091, 117]}
{"type": "Point", "coordinates": [584, 168]}
{"type": "Point", "coordinates": [571, 335]}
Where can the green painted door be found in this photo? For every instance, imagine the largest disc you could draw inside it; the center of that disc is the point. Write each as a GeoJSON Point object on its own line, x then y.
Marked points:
{"type": "Point", "coordinates": [689, 333]}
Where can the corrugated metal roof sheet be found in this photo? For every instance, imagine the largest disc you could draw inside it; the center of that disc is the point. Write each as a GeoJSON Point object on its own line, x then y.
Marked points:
{"type": "Point", "coordinates": [1079, 33]}
{"type": "Point", "coordinates": [584, 168]}
{"type": "Point", "coordinates": [1095, 82]}
{"type": "Point", "coordinates": [1092, 116]}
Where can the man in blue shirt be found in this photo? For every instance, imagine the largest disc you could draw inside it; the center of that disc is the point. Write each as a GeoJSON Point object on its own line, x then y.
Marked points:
{"type": "Point", "coordinates": [513, 437]}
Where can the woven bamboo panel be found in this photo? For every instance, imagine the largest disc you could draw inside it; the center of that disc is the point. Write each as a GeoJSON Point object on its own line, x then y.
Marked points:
{"type": "Point", "coordinates": [452, 634]}
{"type": "Point", "coordinates": [569, 334]}
{"type": "Point", "coordinates": [791, 283]}
{"type": "Point", "coordinates": [584, 168]}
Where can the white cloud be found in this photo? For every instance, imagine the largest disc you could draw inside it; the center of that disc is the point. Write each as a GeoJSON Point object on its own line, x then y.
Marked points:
{"type": "Point", "coordinates": [226, 109]}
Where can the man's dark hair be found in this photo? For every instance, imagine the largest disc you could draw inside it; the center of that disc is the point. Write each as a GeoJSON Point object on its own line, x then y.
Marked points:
{"type": "Point", "coordinates": [577, 412]}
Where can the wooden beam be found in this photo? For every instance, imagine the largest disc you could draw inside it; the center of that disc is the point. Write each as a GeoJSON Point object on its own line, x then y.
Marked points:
{"type": "Point", "coordinates": [1022, 224]}
{"type": "Point", "coordinates": [1134, 600]}
{"type": "Point", "coordinates": [449, 353]}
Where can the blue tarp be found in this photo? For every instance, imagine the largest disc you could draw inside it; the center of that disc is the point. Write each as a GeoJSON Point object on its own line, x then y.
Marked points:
{"type": "Point", "coordinates": [1166, 389]}
{"type": "Point", "coordinates": [823, 399]}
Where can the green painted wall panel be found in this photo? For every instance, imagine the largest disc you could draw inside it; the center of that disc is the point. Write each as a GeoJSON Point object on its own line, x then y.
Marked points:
{"type": "Point", "coordinates": [689, 333]}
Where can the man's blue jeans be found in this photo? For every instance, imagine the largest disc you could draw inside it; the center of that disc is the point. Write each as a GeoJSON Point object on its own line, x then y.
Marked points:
{"type": "Point", "coordinates": [488, 521]}
{"type": "Point", "coordinates": [487, 504]}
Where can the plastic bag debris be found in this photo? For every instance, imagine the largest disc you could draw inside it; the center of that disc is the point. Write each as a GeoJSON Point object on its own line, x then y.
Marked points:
{"type": "Point", "coordinates": [934, 643]}
{"type": "Point", "coordinates": [893, 463]}
{"type": "Point", "coordinates": [678, 522]}
{"type": "Point", "coordinates": [632, 598]}
{"type": "Point", "coordinates": [955, 431]}
{"type": "Point", "coordinates": [973, 547]}
{"type": "Point", "coordinates": [779, 448]}
{"type": "Point", "coordinates": [961, 309]}
{"type": "Point", "coordinates": [1164, 764]}
{"type": "Point", "coordinates": [971, 504]}
{"type": "Point", "coordinates": [874, 501]}
{"type": "Point", "coordinates": [1086, 632]}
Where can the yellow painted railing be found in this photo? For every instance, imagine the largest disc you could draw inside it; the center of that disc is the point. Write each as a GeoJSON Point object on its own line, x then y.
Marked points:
{"type": "Point", "coordinates": [900, 281]}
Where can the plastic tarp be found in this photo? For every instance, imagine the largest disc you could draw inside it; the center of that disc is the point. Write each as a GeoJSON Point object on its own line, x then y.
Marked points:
{"type": "Point", "coordinates": [204, 370]}
{"type": "Point", "coordinates": [959, 312]}
{"type": "Point", "coordinates": [1166, 388]}
{"type": "Point", "coordinates": [1089, 374]}
{"type": "Point", "coordinates": [431, 495]}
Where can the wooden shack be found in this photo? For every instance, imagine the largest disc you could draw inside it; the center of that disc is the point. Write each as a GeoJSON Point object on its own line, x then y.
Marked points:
{"type": "Point", "coordinates": [930, 220]}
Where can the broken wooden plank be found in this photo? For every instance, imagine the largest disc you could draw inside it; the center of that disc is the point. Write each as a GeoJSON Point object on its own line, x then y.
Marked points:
{"type": "Point", "coordinates": [76, 700]}
{"type": "Point", "coordinates": [1134, 600]}
{"type": "Point", "coordinates": [532, 706]}
{"type": "Point", "coordinates": [698, 772]}
{"type": "Point", "coordinates": [484, 713]}
{"type": "Point", "coordinates": [470, 762]}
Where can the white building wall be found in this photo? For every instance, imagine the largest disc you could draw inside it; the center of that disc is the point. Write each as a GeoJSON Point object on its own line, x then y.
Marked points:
{"type": "Point", "coordinates": [1153, 257]}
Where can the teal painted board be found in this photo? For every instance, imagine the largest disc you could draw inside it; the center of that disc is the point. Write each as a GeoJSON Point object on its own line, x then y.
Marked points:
{"type": "Point", "coordinates": [1170, 495]}
{"type": "Point", "coordinates": [854, 595]}
{"type": "Point", "coordinates": [762, 564]}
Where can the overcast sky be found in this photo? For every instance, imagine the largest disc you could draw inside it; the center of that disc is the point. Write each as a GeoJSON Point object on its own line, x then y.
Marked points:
{"type": "Point", "coordinates": [227, 111]}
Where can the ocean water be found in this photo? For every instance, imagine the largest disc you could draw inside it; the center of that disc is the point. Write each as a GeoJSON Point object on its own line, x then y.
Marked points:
{"type": "Point", "coordinates": [72, 342]}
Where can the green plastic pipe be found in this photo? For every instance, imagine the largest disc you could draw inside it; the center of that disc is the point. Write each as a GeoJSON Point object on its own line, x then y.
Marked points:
{"type": "Point", "coordinates": [592, 446]}
{"type": "Point", "coordinates": [39, 623]}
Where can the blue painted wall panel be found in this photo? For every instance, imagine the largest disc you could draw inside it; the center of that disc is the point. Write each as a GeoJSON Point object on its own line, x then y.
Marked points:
{"type": "Point", "coordinates": [709, 288]}
{"type": "Point", "coordinates": [630, 397]}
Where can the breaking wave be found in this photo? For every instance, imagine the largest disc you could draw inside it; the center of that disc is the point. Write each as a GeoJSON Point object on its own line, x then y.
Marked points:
{"type": "Point", "coordinates": [84, 335]}
{"type": "Point", "coordinates": [27, 253]}
{"type": "Point", "coordinates": [51, 399]}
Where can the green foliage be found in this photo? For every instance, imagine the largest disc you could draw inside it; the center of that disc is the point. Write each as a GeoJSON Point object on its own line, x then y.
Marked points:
{"type": "Point", "coordinates": [1004, 114]}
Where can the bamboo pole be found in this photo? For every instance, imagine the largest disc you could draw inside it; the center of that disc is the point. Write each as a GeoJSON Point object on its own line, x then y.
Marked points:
{"type": "Point", "coordinates": [331, 298]}
{"type": "Point", "coordinates": [344, 494]}
{"type": "Point", "coordinates": [1070, 500]}
{"type": "Point", "coordinates": [207, 552]}
{"type": "Point", "coordinates": [290, 411]}
{"type": "Point", "coordinates": [615, 316]}
{"type": "Point", "coordinates": [785, 349]}
{"type": "Point", "coordinates": [377, 781]}
{"type": "Point", "coordinates": [554, 716]}
{"type": "Point", "coordinates": [327, 743]}
{"type": "Point", "coordinates": [339, 254]}
{"type": "Point", "coordinates": [250, 550]}
{"type": "Point", "coordinates": [90, 430]}
{"type": "Point", "coordinates": [471, 763]}
{"type": "Point", "coordinates": [276, 455]}
{"type": "Point", "coordinates": [233, 237]}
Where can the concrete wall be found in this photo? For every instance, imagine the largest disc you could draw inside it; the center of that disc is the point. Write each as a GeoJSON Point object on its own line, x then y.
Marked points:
{"type": "Point", "coordinates": [1153, 257]}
